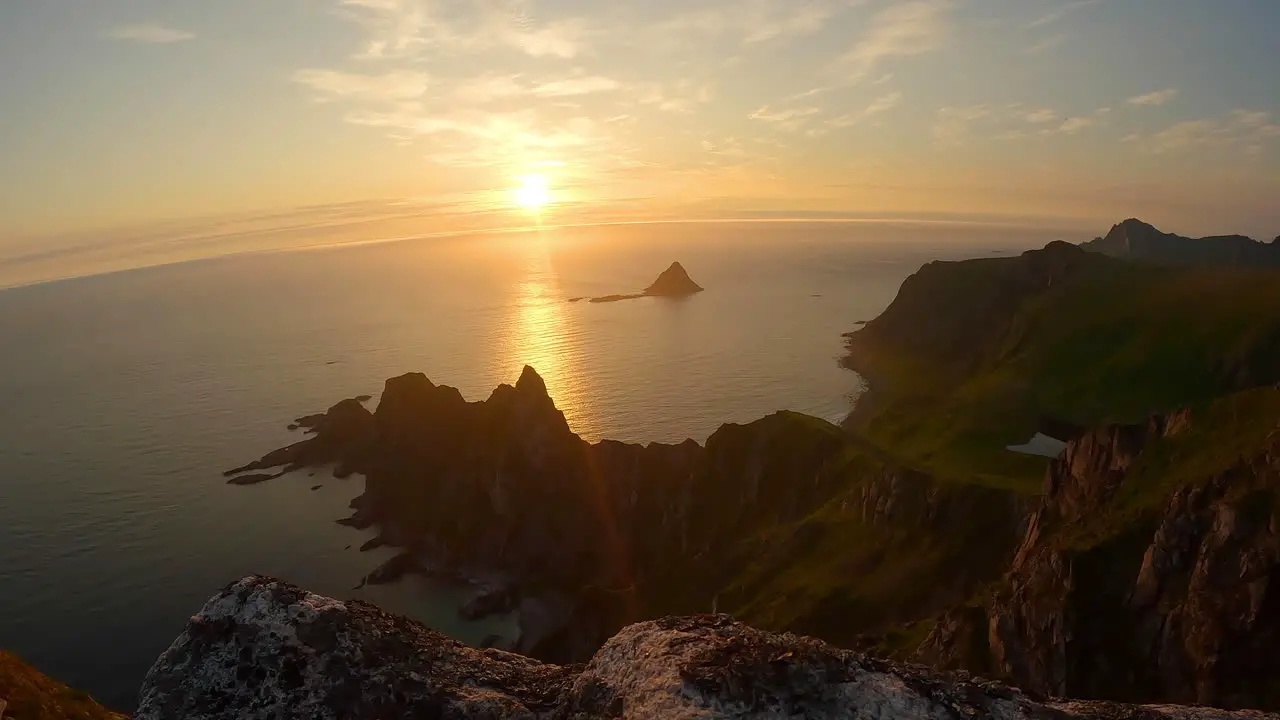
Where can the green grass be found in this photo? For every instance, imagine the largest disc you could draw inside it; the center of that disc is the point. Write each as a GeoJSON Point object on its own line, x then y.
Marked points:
{"type": "Point", "coordinates": [1115, 343]}
{"type": "Point", "coordinates": [1222, 435]}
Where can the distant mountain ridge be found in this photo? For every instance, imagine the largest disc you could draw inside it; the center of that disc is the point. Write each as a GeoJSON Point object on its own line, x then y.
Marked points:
{"type": "Point", "coordinates": [1137, 240]}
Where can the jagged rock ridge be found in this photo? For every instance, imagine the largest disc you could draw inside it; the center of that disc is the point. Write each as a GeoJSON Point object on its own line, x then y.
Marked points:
{"type": "Point", "coordinates": [589, 537]}
{"type": "Point", "coordinates": [1138, 240]}
{"type": "Point", "coordinates": [265, 649]}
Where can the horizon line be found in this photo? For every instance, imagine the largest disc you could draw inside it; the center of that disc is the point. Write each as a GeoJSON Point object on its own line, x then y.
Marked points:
{"type": "Point", "coordinates": [539, 228]}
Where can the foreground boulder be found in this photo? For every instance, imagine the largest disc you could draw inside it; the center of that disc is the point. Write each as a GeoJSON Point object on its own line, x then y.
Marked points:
{"type": "Point", "coordinates": [265, 649]}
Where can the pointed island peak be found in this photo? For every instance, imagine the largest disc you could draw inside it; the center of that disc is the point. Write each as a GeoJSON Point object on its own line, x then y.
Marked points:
{"type": "Point", "coordinates": [673, 282]}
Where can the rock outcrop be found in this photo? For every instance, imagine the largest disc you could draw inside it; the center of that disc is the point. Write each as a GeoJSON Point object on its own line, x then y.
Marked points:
{"type": "Point", "coordinates": [1137, 240]}
{"type": "Point", "coordinates": [265, 649]}
{"type": "Point", "coordinates": [1139, 579]}
{"type": "Point", "coordinates": [777, 520]}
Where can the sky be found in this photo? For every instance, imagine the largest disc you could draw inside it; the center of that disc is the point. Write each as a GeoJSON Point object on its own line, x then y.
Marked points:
{"type": "Point", "coordinates": [168, 115]}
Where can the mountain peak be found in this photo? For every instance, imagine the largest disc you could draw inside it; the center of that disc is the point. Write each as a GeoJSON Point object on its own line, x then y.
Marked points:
{"type": "Point", "coordinates": [531, 382]}
{"type": "Point", "coordinates": [1138, 240]}
{"type": "Point", "coordinates": [1132, 228]}
{"type": "Point", "coordinates": [673, 282]}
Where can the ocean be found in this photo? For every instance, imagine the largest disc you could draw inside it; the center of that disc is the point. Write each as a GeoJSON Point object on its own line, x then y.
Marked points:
{"type": "Point", "coordinates": [125, 395]}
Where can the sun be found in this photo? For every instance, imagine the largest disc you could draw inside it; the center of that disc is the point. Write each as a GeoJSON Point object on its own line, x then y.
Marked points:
{"type": "Point", "coordinates": [533, 192]}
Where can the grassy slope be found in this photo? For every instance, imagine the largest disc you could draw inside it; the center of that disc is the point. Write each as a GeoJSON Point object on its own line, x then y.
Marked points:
{"type": "Point", "coordinates": [35, 696]}
{"type": "Point", "coordinates": [835, 570]}
{"type": "Point", "coordinates": [1118, 341]}
{"type": "Point", "coordinates": [1224, 434]}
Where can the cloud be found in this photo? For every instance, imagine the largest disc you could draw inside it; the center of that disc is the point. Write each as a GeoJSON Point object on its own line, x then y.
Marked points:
{"type": "Point", "coordinates": [759, 21]}
{"type": "Point", "coordinates": [1074, 125]}
{"type": "Point", "coordinates": [488, 87]}
{"type": "Point", "coordinates": [390, 87]}
{"type": "Point", "coordinates": [952, 124]}
{"type": "Point", "coordinates": [771, 21]}
{"type": "Point", "coordinates": [150, 34]}
{"type": "Point", "coordinates": [1157, 98]}
{"type": "Point", "coordinates": [1059, 13]}
{"type": "Point", "coordinates": [730, 147]}
{"type": "Point", "coordinates": [878, 106]}
{"type": "Point", "coordinates": [411, 28]}
{"type": "Point", "coordinates": [955, 125]}
{"type": "Point", "coordinates": [911, 27]}
{"type": "Point", "coordinates": [1247, 130]}
{"type": "Point", "coordinates": [1046, 44]}
{"type": "Point", "coordinates": [790, 119]}
{"type": "Point", "coordinates": [683, 97]}
{"type": "Point", "coordinates": [580, 85]}
{"type": "Point", "coordinates": [480, 138]}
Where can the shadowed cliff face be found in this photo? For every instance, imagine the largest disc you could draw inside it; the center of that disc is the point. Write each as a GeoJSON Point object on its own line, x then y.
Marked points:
{"type": "Point", "coordinates": [784, 521]}
{"type": "Point", "coordinates": [1152, 570]}
{"type": "Point", "coordinates": [265, 649]}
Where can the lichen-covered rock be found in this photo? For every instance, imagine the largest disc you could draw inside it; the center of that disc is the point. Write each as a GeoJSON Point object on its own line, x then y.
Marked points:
{"type": "Point", "coordinates": [265, 649]}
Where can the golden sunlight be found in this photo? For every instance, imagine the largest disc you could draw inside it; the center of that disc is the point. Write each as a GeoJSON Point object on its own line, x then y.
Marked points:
{"type": "Point", "coordinates": [533, 192]}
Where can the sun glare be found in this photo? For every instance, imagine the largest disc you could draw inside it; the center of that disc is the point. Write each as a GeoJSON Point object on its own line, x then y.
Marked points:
{"type": "Point", "coordinates": [533, 192]}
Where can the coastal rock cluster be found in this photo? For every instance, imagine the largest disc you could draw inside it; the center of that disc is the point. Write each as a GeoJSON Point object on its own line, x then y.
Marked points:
{"type": "Point", "coordinates": [265, 649]}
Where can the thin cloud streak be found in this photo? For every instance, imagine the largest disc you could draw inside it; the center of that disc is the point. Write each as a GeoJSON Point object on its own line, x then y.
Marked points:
{"type": "Point", "coordinates": [903, 29]}
{"type": "Point", "coordinates": [392, 86]}
{"type": "Point", "coordinates": [1060, 13]}
{"type": "Point", "coordinates": [1154, 99]}
{"type": "Point", "coordinates": [149, 34]}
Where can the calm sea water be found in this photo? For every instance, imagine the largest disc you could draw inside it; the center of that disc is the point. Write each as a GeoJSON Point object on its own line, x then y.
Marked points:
{"type": "Point", "coordinates": [124, 395]}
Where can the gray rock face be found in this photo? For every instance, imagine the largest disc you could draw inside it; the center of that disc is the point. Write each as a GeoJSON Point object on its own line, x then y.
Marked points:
{"type": "Point", "coordinates": [265, 649]}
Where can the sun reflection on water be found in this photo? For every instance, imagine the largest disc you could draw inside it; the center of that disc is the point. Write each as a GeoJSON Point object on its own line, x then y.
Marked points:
{"type": "Point", "coordinates": [541, 334]}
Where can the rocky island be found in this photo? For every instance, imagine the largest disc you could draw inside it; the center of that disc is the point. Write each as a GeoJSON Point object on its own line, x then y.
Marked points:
{"type": "Point", "coordinates": [674, 282]}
